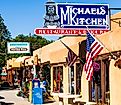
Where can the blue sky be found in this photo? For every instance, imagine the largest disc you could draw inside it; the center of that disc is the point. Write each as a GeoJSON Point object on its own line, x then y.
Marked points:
{"type": "Point", "coordinates": [23, 16]}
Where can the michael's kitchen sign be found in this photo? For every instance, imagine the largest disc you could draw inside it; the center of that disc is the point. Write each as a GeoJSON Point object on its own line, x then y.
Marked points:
{"type": "Point", "coordinates": [18, 47]}
{"type": "Point", "coordinates": [67, 18]}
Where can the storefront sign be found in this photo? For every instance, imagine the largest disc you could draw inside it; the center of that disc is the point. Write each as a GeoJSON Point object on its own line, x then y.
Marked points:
{"type": "Point", "coordinates": [94, 16]}
{"type": "Point", "coordinates": [71, 19]}
{"type": "Point", "coordinates": [18, 47]}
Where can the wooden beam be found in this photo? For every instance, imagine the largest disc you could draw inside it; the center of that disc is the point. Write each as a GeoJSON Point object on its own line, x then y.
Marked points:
{"type": "Point", "coordinates": [107, 55]}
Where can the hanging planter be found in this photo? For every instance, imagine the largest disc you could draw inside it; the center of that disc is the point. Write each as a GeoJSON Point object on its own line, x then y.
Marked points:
{"type": "Point", "coordinates": [96, 66]}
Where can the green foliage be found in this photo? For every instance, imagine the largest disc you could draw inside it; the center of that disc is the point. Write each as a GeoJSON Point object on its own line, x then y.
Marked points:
{"type": "Point", "coordinates": [35, 43]}
{"type": "Point", "coordinates": [4, 37]}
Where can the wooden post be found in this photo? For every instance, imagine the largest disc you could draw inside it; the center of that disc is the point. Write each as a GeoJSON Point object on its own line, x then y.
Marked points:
{"type": "Point", "coordinates": [103, 81]}
{"type": "Point", "coordinates": [90, 90]}
{"type": "Point", "coordinates": [96, 92]}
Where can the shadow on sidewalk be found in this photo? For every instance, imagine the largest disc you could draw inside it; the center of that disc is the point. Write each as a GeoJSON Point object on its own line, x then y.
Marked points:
{"type": "Point", "coordinates": [2, 97]}
{"type": "Point", "coordinates": [5, 103]}
{"type": "Point", "coordinates": [49, 102]}
{"type": "Point", "coordinates": [46, 101]}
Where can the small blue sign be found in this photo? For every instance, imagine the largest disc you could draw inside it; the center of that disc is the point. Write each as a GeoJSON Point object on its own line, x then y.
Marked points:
{"type": "Point", "coordinates": [37, 96]}
{"type": "Point", "coordinates": [93, 16]}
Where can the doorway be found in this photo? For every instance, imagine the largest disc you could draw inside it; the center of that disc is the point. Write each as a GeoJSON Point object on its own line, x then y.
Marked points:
{"type": "Point", "coordinates": [99, 86]}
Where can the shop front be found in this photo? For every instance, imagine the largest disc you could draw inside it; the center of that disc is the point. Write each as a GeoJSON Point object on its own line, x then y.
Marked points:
{"type": "Point", "coordinates": [65, 80]}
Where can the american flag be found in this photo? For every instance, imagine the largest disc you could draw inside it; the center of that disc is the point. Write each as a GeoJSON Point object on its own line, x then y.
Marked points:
{"type": "Point", "coordinates": [71, 58]}
{"type": "Point", "coordinates": [93, 48]}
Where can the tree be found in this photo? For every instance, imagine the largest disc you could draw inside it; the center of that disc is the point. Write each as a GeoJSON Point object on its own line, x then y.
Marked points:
{"type": "Point", "coordinates": [4, 37]}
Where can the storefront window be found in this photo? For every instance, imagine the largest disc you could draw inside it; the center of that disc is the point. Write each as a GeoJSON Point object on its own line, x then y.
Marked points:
{"type": "Point", "coordinates": [58, 79]}
{"type": "Point", "coordinates": [72, 83]}
{"type": "Point", "coordinates": [96, 82]}
{"type": "Point", "coordinates": [97, 85]}
{"type": "Point", "coordinates": [79, 69]}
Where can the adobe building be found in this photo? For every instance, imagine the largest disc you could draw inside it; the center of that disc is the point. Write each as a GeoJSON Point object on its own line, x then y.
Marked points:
{"type": "Point", "coordinates": [32, 65]}
{"type": "Point", "coordinates": [106, 80]}
{"type": "Point", "coordinates": [10, 70]}
{"type": "Point", "coordinates": [15, 69]}
{"type": "Point", "coordinates": [111, 67]}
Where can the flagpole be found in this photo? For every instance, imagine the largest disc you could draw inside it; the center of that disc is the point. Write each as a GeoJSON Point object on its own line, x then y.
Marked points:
{"type": "Point", "coordinates": [102, 44]}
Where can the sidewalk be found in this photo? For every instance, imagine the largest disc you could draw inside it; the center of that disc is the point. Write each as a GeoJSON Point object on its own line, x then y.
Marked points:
{"type": "Point", "coordinates": [8, 97]}
{"type": "Point", "coordinates": [51, 103]}
{"type": "Point", "coordinates": [54, 103]}
{"type": "Point", "coordinates": [46, 103]}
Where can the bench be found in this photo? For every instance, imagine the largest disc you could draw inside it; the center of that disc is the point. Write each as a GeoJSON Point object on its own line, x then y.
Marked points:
{"type": "Point", "coordinates": [79, 101]}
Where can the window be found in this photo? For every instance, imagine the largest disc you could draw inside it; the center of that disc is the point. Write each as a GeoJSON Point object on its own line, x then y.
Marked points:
{"type": "Point", "coordinates": [79, 68]}
{"type": "Point", "coordinates": [72, 83]}
{"type": "Point", "coordinates": [58, 79]}
{"type": "Point", "coordinates": [100, 83]}
{"type": "Point", "coordinates": [95, 84]}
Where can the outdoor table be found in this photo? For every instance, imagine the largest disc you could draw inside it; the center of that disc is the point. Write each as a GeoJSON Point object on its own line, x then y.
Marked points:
{"type": "Point", "coordinates": [69, 97]}
{"type": "Point", "coordinates": [79, 101]}
{"type": "Point", "coordinates": [91, 103]}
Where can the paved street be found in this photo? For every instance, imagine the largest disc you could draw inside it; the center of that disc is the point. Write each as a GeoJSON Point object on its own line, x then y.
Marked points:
{"type": "Point", "coordinates": [12, 99]}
